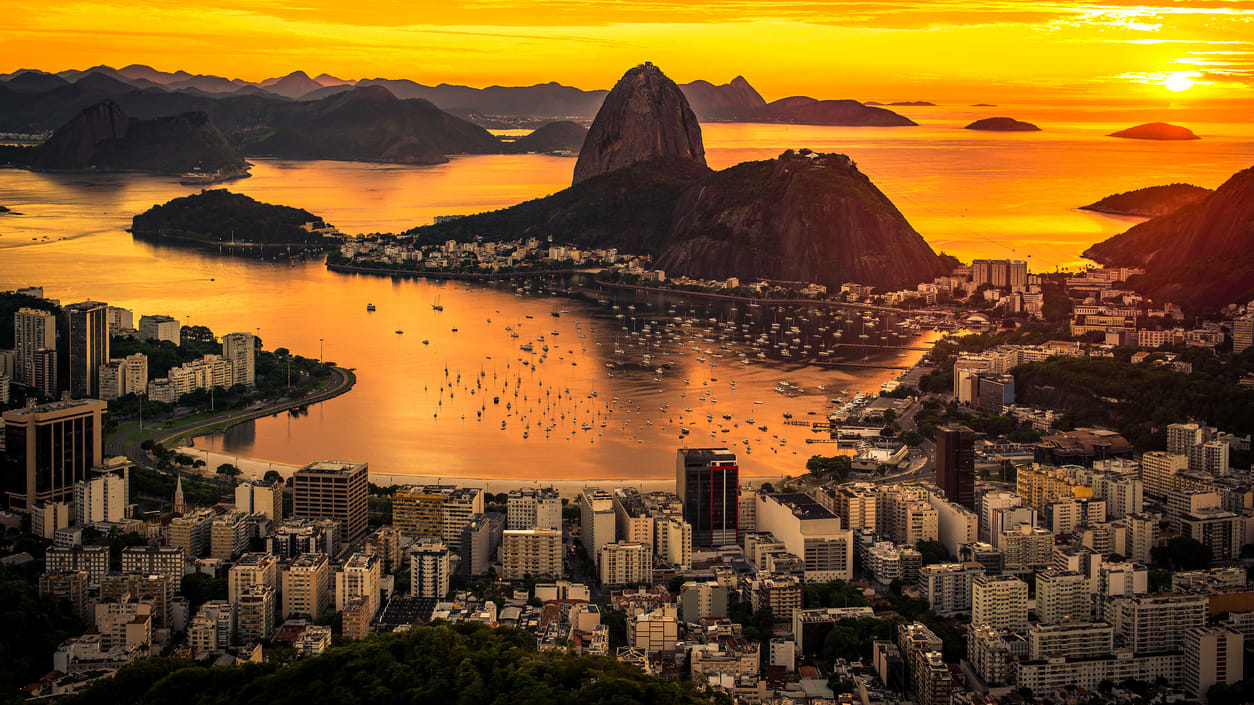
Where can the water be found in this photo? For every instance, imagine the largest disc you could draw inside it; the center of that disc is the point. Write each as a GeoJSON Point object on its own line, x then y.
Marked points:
{"type": "Point", "coordinates": [972, 194]}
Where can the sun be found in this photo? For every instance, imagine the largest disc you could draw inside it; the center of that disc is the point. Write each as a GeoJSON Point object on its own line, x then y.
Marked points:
{"type": "Point", "coordinates": [1178, 81]}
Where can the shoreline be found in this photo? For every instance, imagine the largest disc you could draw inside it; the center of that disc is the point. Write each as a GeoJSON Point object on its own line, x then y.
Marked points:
{"type": "Point", "coordinates": [254, 468]}
{"type": "Point", "coordinates": [469, 276]}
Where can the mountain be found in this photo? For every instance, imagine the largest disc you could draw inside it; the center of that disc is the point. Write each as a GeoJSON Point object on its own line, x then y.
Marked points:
{"type": "Point", "coordinates": [1002, 124]}
{"type": "Point", "coordinates": [803, 110]}
{"type": "Point", "coordinates": [711, 102]}
{"type": "Point", "coordinates": [645, 115]}
{"type": "Point", "coordinates": [544, 99]}
{"type": "Point", "coordinates": [293, 85]}
{"type": "Point", "coordinates": [327, 79]}
{"type": "Point", "coordinates": [1156, 131]}
{"type": "Point", "coordinates": [799, 217]}
{"type": "Point", "coordinates": [104, 138]}
{"type": "Point", "coordinates": [1151, 201]}
{"type": "Point", "coordinates": [1200, 255]}
{"type": "Point", "coordinates": [560, 136]}
{"type": "Point", "coordinates": [34, 82]}
{"type": "Point", "coordinates": [365, 124]}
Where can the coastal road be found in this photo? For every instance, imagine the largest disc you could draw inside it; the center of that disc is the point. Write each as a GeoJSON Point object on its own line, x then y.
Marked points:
{"type": "Point", "coordinates": [126, 442]}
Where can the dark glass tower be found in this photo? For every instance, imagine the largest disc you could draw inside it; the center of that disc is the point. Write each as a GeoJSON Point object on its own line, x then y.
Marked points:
{"type": "Point", "coordinates": [707, 481]}
{"type": "Point", "coordinates": [955, 464]}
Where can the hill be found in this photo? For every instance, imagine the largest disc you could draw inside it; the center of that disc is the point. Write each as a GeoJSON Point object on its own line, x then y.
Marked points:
{"type": "Point", "coordinates": [104, 138]}
{"type": "Point", "coordinates": [562, 136]}
{"type": "Point", "coordinates": [711, 102]}
{"type": "Point", "coordinates": [1151, 201]}
{"type": "Point", "coordinates": [1156, 131]}
{"type": "Point", "coordinates": [1201, 254]}
{"type": "Point", "coordinates": [429, 665]}
{"type": "Point", "coordinates": [219, 216]}
{"type": "Point", "coordinates": [1002, 124]}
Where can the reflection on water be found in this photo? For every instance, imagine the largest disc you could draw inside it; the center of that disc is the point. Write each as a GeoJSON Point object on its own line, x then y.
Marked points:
{"type": "Point", "coordinates": [972, 194]}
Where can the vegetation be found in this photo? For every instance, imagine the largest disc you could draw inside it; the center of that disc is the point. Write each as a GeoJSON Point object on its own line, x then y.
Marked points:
{"type": "Point", "coordinates": [933, 552]}
{"type": "Point", "coordinates": [437, 664]}
{"type": "Point", "coordinates": [218, 215]}
{"type": "Point", "coordinates": [838, 465]}
{"type": "Point", "coordinates": [33, 628]}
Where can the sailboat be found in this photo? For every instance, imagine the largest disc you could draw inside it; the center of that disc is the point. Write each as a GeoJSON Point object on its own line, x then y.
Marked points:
{"type": "Point", "coordinates": [437, 306]}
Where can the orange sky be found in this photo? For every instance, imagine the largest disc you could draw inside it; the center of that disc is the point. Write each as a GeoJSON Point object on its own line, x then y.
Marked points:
{"type": "Point", "coordinates": [967, 50]}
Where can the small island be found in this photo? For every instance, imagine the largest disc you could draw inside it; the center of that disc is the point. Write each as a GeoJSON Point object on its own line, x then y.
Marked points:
{"type": "Point", "coordinates": [1150, 201]}
{"type": "Point", "coordinates": [1002, 124]}
{"type": "Point", "coordinates": [3, 209]}
{"type": "Point", "coordinates": [219, 217]}
{"type": "Point", "coordinates": [560, 137]}
{"type": "Point", "coordinates": [1156, 131]}
{"type": "Point", "coordinates": [984, 105]}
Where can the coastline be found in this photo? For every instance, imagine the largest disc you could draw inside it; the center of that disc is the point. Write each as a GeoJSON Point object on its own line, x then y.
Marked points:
{"type": "Point", "coordinates": [253, 468]}
{"type": "Point", "coordinates": [471, 276]}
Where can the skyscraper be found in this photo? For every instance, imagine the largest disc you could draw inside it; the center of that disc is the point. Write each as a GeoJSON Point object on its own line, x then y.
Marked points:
{"type": "Point", "coordinates": [332, 490]}
{"type": "Point", "coordinates": [48, 449]}
{"type": "Point", "coordinates": [955, 464]}
{"type": "Point", "coordinates": [239, 349]}
{"type": "Point", "coordinates": [33, 330]}
{"type": "Point", "coordinates": [89, 346]}
{"type": "Point", "coordinates": [44, 372]}
{"type": "Point", "coordinates": [707, 481]}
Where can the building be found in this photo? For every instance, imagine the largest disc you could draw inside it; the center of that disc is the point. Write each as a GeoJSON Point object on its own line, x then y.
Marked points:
{"type": "Point", "coordinates": [809, 531]}
{"type": "Point", "coordinates": [480, 541]}
{"type": "Point", "coordinates": [947, 586]}
{"type": "Point", "coordinates": [228, 535]}
{"type": "Point", "coordinates": [48, 449]}
{"type": "Point", "coordinates": [429, 568]}
{"type": "Point", "coordinates": [359, 580]}
{"type": "Point", "coordinates": [135, 374]}
{"type": "Point", "coordinates": [385, 542]}
{"type": "Point", "coordinates": [257, 497]}
{"type": "Point", "coordinates": [956, 525]}
{"type": "Point", "coordinates": [626, 563]}
{"type": "Point", "coordinates": [105, 495]}
{"type": "Point", "coordinates": [1218, 529]}
{"type": "Point", "coordinates": [534, 508]}
{"type": "Point", "coordinates": [240, 351]}
{"type": "Point", "coordinates": [1156, 624]}
{"type": "Point", "coordinates": [597, 520]}
{"type": "Point", "coordinates": [905, 516]}
{"type": "Point", "coordinates": [435, 510]}
{"type": "Point", "coordinates": [296, 536]}
{"type": "Point", "coordinates": [159, 328]}
{"type": "Point", "coordinates": [531, 553]}
{"type": "Point", "coordinates": [707, 481]}
{"type": "Point", "coordinates": [632, 521]}
{"type": "Point", "coordinates": [170, 561]}
{"type": "Point", "coordinates": [996, 392]}
{"type": "Point", "coordinates": [1000, 601]}
{"type": "Point", "coordinates": [306, 587]}
{"type": "Point", "coordinates": [89, 346]}
{"type": "Point", "coordinates": [313, 641]}
{"type": "Point", "coordinates": [654, 632]}
{"type": "Point", "coordinates": [255, 614]}
{"type": "Point", "coordinates": [1159, 470]}
{"type": "Point", "coordinates": [67, 587]}
{"type": "Point", "coordinates": [46, 379]}
{"type": "Point", "coordinates": [33, 330]}
{"type": "Point", "coordinates": [1026, 547]}
{"type": "Point", "coordinates": [1242, 334]}
{"type": "Point", "coordinates": [1062, 596]}
{"type": "Point", "coordinates": [955, 464]}
{"type": "Point", "coordinates": [333, 490]}
{"type": "Point", "coordinates": [191, 532]}
{"type": "Point", "coordinates": [781, 594]}
{"type": "Point", "coordinates": [112, 380]}
{"type": "Point", "coordinates": [701, 599]}
{"type": "Point", "coordinates": [252, 569]}
{"type": "Point", "coordinates": [212, 629]}
{"type": "Point", "coordinates": [92, 560]}
{"type": "Point", "coordinates": [1212, 656]}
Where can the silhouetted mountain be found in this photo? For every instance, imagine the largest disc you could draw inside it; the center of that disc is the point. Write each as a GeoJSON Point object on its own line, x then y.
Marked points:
{"type": "Point", "coordinates": [1151, 201]}
{"type": "Point", "coordinates": [1156, 131]}
{"type": "Point", "coordinates": [711, 102]}
{"type": "Point", "coordinates": [544, 99]}
{"type": "Point", "coordinates": [1201, 254]}
{"type": "Point", "coordinates": [803, 110]}
{"type": "Point", "coordinates": [645, 115]}
{"type": "Point", "coordinates": [34, 82]}
{"type": "Point", "coordinates": [293, 85]}
{"type": "Point", "coordinates": [560, 136]}
{"type": "Point", "coordinates": [1002, 124]}
{"type": "Point", "coordinates": [365, 124]}
{"type": "Point", "coordinates": [221, 216]}
{"type": "Point", "coordinates": [104, 138]}
{"type": "Point", "coordinates": [211, 84]}
{"type": "Point", "coordinates": [327, 91]}
{"type": "Point", "coordinates": [327, 79]}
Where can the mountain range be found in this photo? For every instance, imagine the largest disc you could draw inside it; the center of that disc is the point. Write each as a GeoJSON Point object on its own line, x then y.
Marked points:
{"type": "Point", "coordinates": [734, 101]}
{"type": "Point", "coordinates": [1201, 254]}
{"type": "Point", "coordinates": [641, 184]}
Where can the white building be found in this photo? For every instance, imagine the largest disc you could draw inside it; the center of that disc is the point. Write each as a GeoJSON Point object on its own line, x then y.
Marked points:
{"type": "Point", "coordinates": [359, 577]}
{"type": "Point", "coordinates": [809, 531]}
{"type": "Point", "coordinates": [626, 563]}
{"type": "Point", "coordinates": [105, 495]}
{"type": "Point", "coordinates": [531, 552]}
{"type": "Point", "coordinates": [240, 351]}
{"type": "Point", "coordinates": [1062, 596]}
{"type": "Point", "coordinates": [597, 520]}
{"type": "Point", "coordinates": [1000, 601]}
{"type": "Point", "coordinates": [948, 586]}
{"type": "Point", "coordinates": [159, 327]}
{"type": "Point", "coordinates": [1212, 655]}
{"type": "Point", "coordinates": [429, 569]}
{"type": "Point", "coordinates": [534, 508]}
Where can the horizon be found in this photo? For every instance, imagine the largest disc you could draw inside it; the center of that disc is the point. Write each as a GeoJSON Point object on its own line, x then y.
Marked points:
{"type": "Point", "coordinates": [1152, 53]}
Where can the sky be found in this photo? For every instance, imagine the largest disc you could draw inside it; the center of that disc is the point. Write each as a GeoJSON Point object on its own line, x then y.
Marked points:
{"type": "Point", "coordinates": [954, 50]}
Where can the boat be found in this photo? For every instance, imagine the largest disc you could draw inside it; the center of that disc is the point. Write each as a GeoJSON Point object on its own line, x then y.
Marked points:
{"type": "Point", "coordinates": [369, 307]}
{"type": "Point", "coordinates": [437, 306]}
{"type": "Point", "coordinates": [399, 331]}
{"type": "Point", "coordinates": [426, 342]}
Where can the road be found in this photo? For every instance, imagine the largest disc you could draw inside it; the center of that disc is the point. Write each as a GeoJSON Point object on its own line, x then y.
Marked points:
{"type": "Point", "coordinates": [124, 441]}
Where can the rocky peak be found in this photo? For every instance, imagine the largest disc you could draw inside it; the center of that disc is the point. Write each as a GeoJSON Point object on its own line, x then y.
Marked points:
{"type": "Point", "coordinates": [645, 115]}
{"type": "Point", "coordinates": [72, 146]}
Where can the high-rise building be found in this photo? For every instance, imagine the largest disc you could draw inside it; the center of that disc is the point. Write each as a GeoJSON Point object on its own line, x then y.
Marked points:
{"type": "Point", "coordinates": [359, 577]}
{"type": "Point", "coordinates": [33, 330]}
{"type": "Point", "coordinates": [333, 490]}
{"type": "Point", "coordinates": [809, 531]}
{"type": "Point", "coordinates": [306, 586]}
{"type": "Point", "coordinates": [955, 464]}
{"type": "Point", "coordinates": [534, 508]}
{"type": "Point", "coordinates": [240, 351]}
{"type": "Point", "coordinates": [255, 614]}
{"type": "Point", "coordinates": [293, 537]}
{"type": "Point", "coordinates": [531, 552]}
{"type": "Point", "coordinates": [1212, 656]}
{"type": "Point", "coordinates": [105, 495]}
{"type": "Point", "coordinates": [707, 481]}
{"type": "Point", "coordinates": [135, 374]}
{"type": "Point", "coordinates": [158, 560]}
{"type": "Point", "coordinates": [947, 586]}
{"type": "Point", "coordinates": [996, 392]}
{"type": "Point", "coordinates": [429, 570]}
{"type": "Point", "coordinates": [598, 523]}
{"type": "Point", "coordinates": [119, 319]}
{"type": "Point", "coordinates": [48, 449]}
{"type": "Point", "coordinates": [1000, 601]}
{"type": "Point", "coordinates": [228, 535]}
{"type": "Point", "coordinates": [1156, 624]}
{"type": "Point", "coordinates": [159, 328]}
{"type": "Point", "coordinates": [1062, 595]}
{"type": "Point", "coordinates": [252, 569]}
{"type": "Point", "coordinates": [1242, 334]}
{"type": "Point", "coordinates": [258, 497]}
{"type": "Point", "coordinates": [45, 377]}
{"type": "Point", "coordinates": [626, 563]}
{"type": "Point", "coordinates": [89, 346]}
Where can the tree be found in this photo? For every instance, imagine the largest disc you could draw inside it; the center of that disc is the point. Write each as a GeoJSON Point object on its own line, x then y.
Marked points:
{"type": "Point", "coordinates": [1182, 553]}
{"type": "Point", "coordinates": [838, 464]}
{"type": "Point", "coordinates": [912, 438]}
{"type": "Point", "coordinates": [933, 552]}
{"type": "Point", "coordinates": [272, 476]}
{"type": "Point", "coordinates": [228, 470]}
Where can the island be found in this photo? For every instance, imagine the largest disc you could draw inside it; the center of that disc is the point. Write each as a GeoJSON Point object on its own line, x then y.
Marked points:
{"type": "Point", "coordinates": [1151, 201]}
{"type": "Point", "coordinates": [1156, 131]}
{"type": "Point", "coordinates": [984, 105]}
{"type": "Point", "coordinates": [219, 217]}
{"type": "Point", "coordinates": [4, 210]}
{"type": "Point", "coordinates": [1002, 124]}
{"type": "Point", "coordinates": [561, 137]}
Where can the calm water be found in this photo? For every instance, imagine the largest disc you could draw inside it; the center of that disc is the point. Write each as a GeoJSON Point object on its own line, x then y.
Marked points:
{"type": "Point", "coordinates": [970, 193]}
